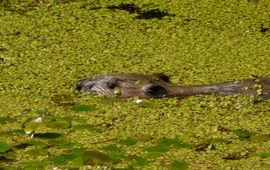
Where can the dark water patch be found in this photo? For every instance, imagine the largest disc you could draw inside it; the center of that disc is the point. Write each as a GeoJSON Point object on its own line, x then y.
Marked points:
{"type": "Point", "coordinates": [210, 144]}
{"type": "Point", "coordinates": [22, 146]}
{"type": "Point", "coordinates": [3, 49]}
{"type": "Point", "coordinates": [2, 60]}
{"type": "Point", "coordinates": [5, 159]}
{"type": "Point", "coordinates": [11, 33]}
{"type": "Point", "coordinates": [48, 135]}
{"type": "Point", "coordinates": [236, 156]}
{"type": "Point", "coordinates": [264, 29]}
{"type": "Point", "coordinates": [131, 8]}
{"type": "Point", "coordinates": [203, 146]}
{"type": "Point", "coordinates": [153, 14]}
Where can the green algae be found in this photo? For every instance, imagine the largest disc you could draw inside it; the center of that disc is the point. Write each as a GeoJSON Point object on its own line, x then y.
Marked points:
{"type": "Point", "coordinates": [4, 147]}
{"type": "Point", "coordinates": [47, 45]}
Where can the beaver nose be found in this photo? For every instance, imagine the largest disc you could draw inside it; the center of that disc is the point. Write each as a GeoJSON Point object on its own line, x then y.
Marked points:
{"type": "Point", "coordinates": [79, 86]}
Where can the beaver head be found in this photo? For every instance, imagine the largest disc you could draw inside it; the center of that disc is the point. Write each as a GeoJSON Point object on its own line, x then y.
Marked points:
{"type": "Point", "coordinates": [125, 85]}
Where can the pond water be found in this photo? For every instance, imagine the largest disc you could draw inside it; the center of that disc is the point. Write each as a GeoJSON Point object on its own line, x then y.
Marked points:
{"type": "Point", "coordinates": [46, 46]}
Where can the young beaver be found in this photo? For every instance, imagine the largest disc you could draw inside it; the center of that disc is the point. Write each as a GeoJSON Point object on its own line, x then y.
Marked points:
{"type": "Point", "coordinates": [158, 86]}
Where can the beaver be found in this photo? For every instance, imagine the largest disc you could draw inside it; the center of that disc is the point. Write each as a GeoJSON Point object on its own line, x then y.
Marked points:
{"type": "Point", "coordinates": [159, 86]}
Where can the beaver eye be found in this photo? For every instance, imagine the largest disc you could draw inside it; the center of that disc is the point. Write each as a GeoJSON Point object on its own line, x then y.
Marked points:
{"type": "Point", "coordinates": [111, 86]}
{"type": "Point", "coordinates": [90, 87]}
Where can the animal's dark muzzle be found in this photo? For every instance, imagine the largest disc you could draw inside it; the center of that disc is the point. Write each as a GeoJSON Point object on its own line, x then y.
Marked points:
{"type": "Point", "coordinates": [84, 85]}
{"type": "Point", "coordinates": [79, 86]}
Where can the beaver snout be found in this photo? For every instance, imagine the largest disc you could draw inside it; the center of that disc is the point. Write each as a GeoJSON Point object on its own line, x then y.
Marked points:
{"type": "Point", "coordinates": [84, 85]}
{"type": "Point", "coordinates": [79, 86]}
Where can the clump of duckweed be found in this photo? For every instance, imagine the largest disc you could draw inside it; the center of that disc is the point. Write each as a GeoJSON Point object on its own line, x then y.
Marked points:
{"type": "Point", "coordinates": [49, 45]}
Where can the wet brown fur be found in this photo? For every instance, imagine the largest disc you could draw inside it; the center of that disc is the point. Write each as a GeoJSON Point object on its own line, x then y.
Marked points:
{"type": "Point", "coordinates": [158, 86]}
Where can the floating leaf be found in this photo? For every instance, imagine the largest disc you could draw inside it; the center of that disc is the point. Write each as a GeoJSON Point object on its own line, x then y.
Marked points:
{"type": "Point", "coordinates": [116, 156]}
{"type": "Point", "coordinates": [33, 165]}
{"type": "Point", "coordinates": [264, 154]}
{"type": "Point", "coordinates": [18, 132]}
{"type": "Point", "coordinates": [4, 147]}
{"type": "Point", "coordinates": [36, 142]}
{"type": "Point", "coordinates": [82, 157]}
{"type": "Point", "coordinates": [14, 132]}
{"type": "Point", "coordinates": [67, 118]}
{"type": "Point", "coordinates": [84, 108]}
{"type": "Point", "coordinates": [60, 159]}
{"type": "Point", "coordinates": [128, 142]}
{"type": "Point", "coordinates": [4, 120]}
{"type": "Point", "coordinates": [173, 142]}
{"type": "Point", "coordinates": [153, 154]}
{"type": "Point", "coordinates": [114, 152]}
{"type": "Point", "coordinates": [140, 161]}
{"type": "Point", "coordinates": [156, 151]}
{"type": "Point", "coordinates": [163, 146]}
{"type": "Point", "coordinates": [86, 127]}
{"type": "Point", "coordinates": [242, 133]}
{"type": "Point", "coordinates": [78, 161]}
{"type": "Point", "coordinates": [178, 165]}
{"type": "Point", "coordinates": [36, 151]}
{"type": "Point", "coordinates": [158, 148]}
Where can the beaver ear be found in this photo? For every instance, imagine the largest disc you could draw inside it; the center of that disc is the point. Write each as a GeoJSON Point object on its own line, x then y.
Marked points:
{"type": "Point", "coordinates": [155, 91]}
{"type": "Point", "coordinates": [162, 77]}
